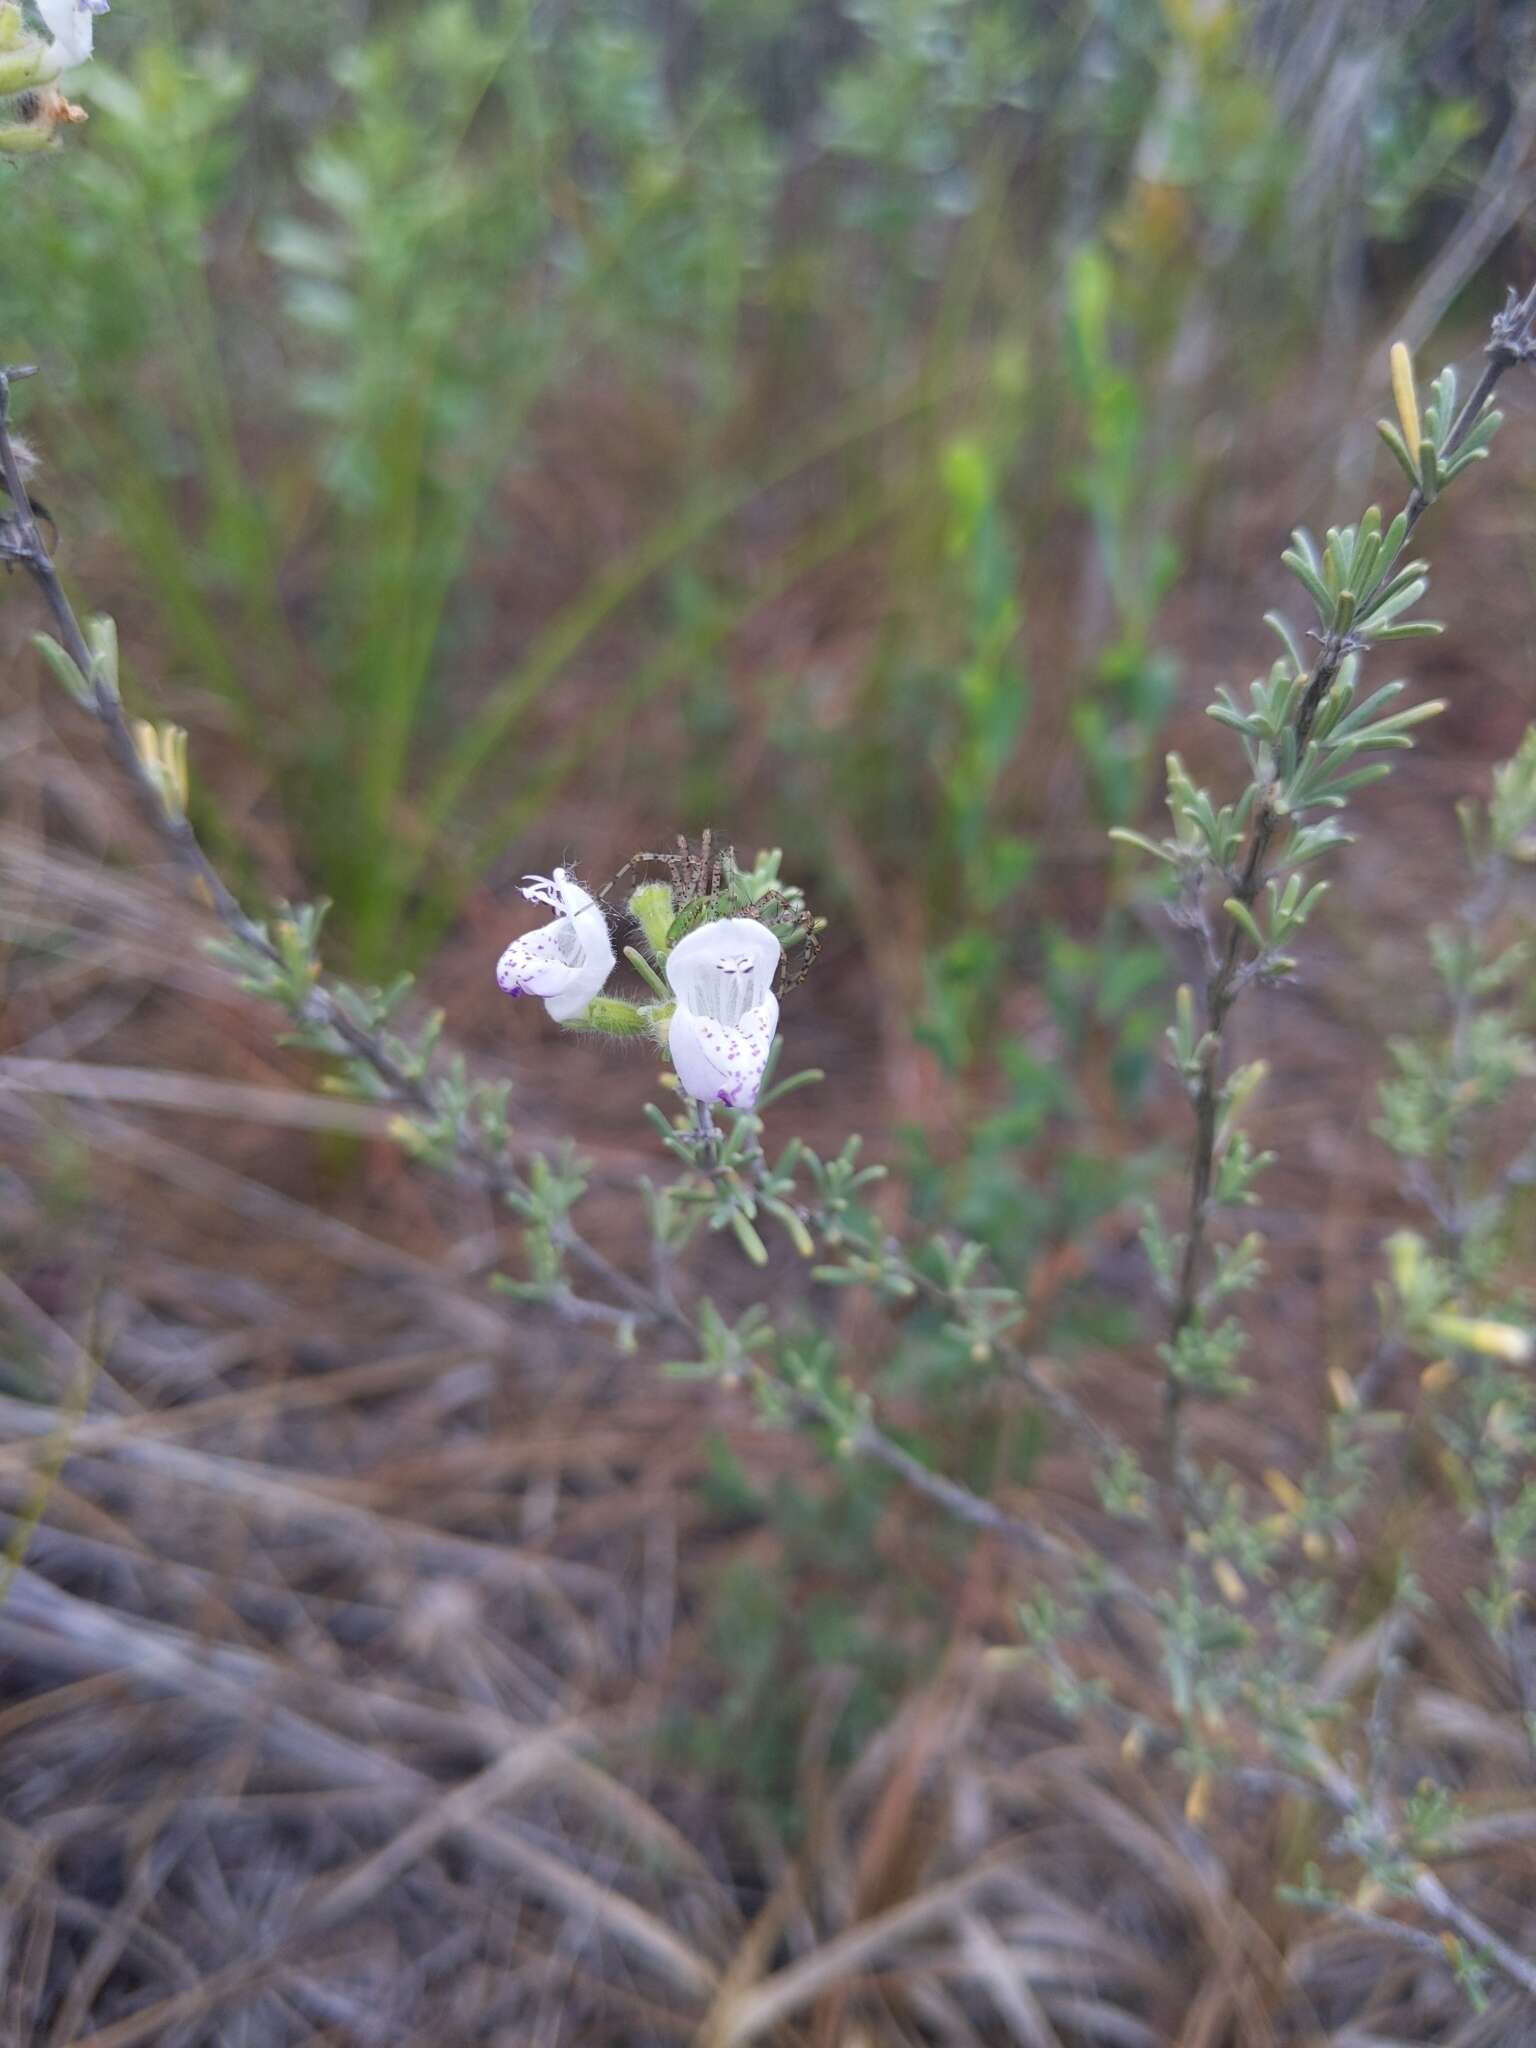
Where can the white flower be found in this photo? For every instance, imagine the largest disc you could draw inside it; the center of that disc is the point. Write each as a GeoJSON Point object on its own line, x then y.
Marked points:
{"type": "Point", "coordinates": [727, 1013]}
{"type": "Point", "coordinates": [70, 23]}
{"type": "Point", "coordinates": [565, 962]}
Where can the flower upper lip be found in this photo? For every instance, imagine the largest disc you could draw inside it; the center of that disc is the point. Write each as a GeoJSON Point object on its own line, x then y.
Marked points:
{"type": "Point", "coordinates": [724, 969]}
{"type": "Point", "coordinates": [565, 962]}
{"type": "Point", "coordinates": [722, 1029]}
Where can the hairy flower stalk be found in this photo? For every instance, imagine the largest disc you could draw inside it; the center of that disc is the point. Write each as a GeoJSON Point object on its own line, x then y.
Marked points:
{"type": "Point", "coordinates": [566, 962]}
{"type": "Point", "coordinates": [722, 1029]}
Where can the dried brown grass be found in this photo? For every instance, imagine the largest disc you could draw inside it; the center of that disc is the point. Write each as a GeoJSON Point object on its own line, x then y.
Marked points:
{"type": "Point", "coordinates": [342, 1612]}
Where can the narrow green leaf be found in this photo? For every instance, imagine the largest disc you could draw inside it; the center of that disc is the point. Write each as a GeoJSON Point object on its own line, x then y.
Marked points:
{"type": "Point", "coordinates": [1409, 629]}
{"type": "Point", "coordinates": [1244, 916]}
{"type": "Point", "coordinates": [1318, 591]}
{"type": "Point", "coordinates": [65, 670]}
{"type": "Point", "coordinates": [808, 1077]}
{"type": "Point", "coordinates": [793, 1225]}
{"type": "Point", "coordinates": [647, 973]}
{"type": "Point", "coordinates": [1279, 624]}
{"type": "Point", "coordinates": [1399, 447]}
{"type": "Point", "coordinates": [748, 1239]}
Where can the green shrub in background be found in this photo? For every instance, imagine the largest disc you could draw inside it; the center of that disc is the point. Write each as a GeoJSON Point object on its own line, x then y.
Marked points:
{"type": "Point", "coordinates": [311, 280]}
{"type": "Point", "coordinates": [1215, 1588]}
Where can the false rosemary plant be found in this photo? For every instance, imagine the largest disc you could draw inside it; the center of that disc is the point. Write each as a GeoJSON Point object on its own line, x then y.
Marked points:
{"type": "Point", "coordinates": [1223, 1585]}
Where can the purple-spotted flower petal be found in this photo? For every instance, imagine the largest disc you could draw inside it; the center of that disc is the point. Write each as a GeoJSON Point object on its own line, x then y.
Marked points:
{"type": "Point", "coordinates": [70, 23]}
{"type": "Point", "coordinates": [565, 962]}
{"type": "Point", "coordinates": [726, 1015]}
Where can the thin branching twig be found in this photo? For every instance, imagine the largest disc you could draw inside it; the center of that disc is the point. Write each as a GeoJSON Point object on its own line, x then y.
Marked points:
{"type": "Point", "coordinates": [1513, 341]}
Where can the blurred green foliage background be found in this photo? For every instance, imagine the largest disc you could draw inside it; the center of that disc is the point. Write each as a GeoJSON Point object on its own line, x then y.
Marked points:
{"type": "Point", "coordinates": [463, 395]}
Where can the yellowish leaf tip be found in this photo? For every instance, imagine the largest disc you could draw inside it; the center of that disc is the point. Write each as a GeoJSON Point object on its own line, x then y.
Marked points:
{"type": "Point", "coordinates": [1406, 396]}
{"type": "Point", "coordinates": [1229, 1581]}
{"type": "Point", "coordinates": [1285, 1490]}
{"type": "Point", "coordinates": [1343, 1390]}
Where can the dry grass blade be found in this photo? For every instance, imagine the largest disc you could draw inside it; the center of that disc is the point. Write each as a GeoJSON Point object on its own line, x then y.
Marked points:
{"type": "Point", "coordinates": [147, 1874]}
{"type": "Point", "coordinates": [270, 1209]}
{"type": "Point", "coordinates": [1002, 1973]}
{"type": "Point", "coordinates": [160, 1657]}
{"type": "Point", "coordinates": [461, 1808]}
{"type": "Point", "coordinates": [286, 1497]}
{"type": "Point", "coordinates": [845, 1957]}
{"type": "Point", "coordinates": [193, 1095]}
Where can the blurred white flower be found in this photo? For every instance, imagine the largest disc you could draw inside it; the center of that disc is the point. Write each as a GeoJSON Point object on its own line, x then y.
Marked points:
{"type": "Point", "coordinates": [565, 962]}
{"type": "Point", "coordinates": [726, 1015]}
{"type": "Point", "coordinates": [70, 23]}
